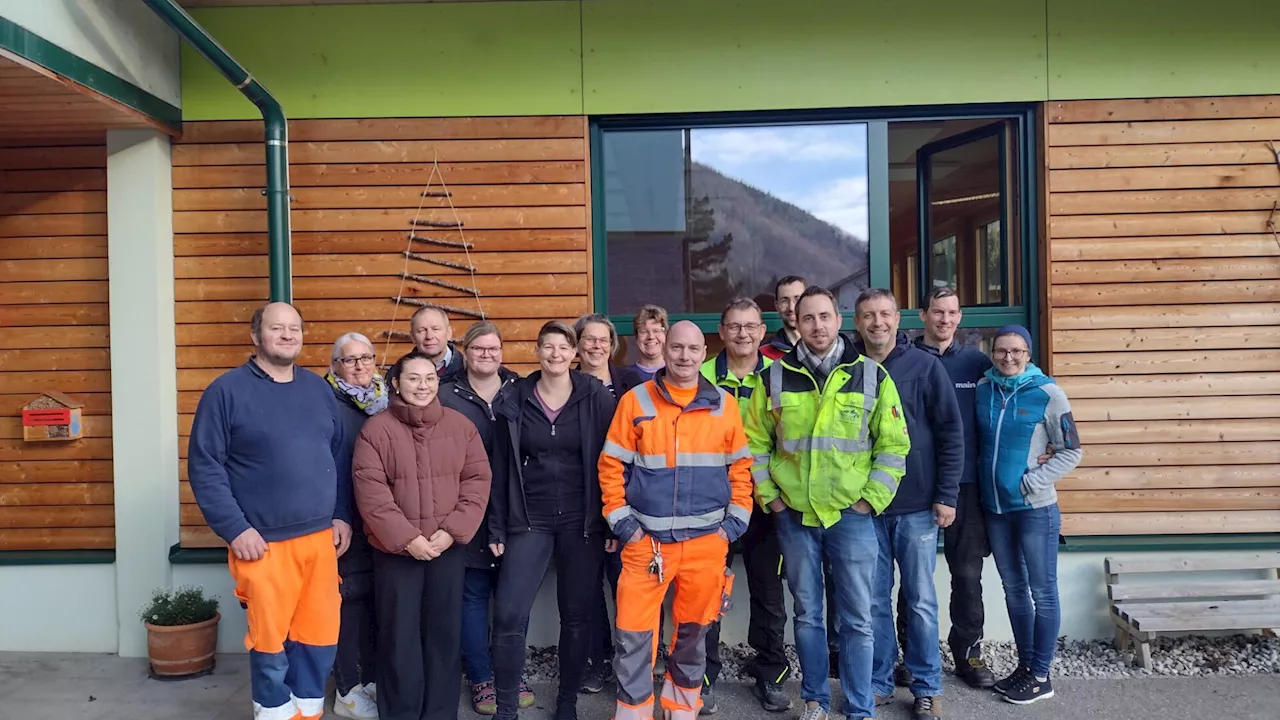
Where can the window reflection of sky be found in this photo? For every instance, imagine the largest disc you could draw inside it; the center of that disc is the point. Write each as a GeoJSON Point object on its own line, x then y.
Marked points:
{"type": "Point", "coordinates": [819, 168]}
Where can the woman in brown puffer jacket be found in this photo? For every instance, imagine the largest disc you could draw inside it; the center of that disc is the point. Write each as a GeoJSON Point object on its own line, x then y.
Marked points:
{"type": "Point", "coordinates": [422, 484]}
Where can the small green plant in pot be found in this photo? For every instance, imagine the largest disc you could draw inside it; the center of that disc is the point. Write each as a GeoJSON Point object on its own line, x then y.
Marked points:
{"type": "Point", "coordinates": [182, 632]}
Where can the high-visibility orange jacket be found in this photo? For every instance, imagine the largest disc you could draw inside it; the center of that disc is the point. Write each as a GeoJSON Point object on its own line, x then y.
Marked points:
{"type": "Point", "coordinates": [678, 472]}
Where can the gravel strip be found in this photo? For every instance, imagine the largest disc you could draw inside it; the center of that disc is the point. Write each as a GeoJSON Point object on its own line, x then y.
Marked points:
{"type": "Point", "coordinates": [1181, 656]}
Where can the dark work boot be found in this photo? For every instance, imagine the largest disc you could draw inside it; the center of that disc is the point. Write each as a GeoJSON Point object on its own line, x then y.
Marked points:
{"type": "Point", "coordinates": [973, 670]}
{"type": "Point", "coordinates": [772, 696]}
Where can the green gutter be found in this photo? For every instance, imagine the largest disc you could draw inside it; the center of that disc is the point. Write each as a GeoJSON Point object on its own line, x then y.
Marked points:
{"type": "Point", "coordinates": [277, 137]}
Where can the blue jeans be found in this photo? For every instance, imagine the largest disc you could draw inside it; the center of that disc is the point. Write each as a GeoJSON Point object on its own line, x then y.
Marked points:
{"type": "Point", "coordinates": [477, 588]}
{"type": "Point", "coordinates": [912, 541]}
{"type": "Point", "coordinates": [850, 545]}
{"type": "Point", "coordinates": [1025, 545]}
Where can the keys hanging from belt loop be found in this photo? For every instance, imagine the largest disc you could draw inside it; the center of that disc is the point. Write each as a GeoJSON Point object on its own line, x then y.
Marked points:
{"type": "Point", "coordinates": [655, 565]}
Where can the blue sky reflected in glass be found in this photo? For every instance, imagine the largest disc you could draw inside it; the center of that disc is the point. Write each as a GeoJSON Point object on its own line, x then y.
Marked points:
{"type": "Point", "coordinates": [819, 168]}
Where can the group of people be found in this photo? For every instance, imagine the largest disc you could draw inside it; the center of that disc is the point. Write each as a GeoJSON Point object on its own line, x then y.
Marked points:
{"type": "Point", "coordinates": [394, 531]}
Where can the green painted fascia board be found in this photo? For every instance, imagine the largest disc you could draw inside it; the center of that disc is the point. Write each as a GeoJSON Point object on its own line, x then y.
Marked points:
{"type": "Point", "coordinates": [24, 43]}
{"type": "Point", "coordinates": [57, 557]}
{"type": "Point", "coordinates": [400, 60]}
{"type": "Point", "coordinates": [179, 555]}
{"type": "Point", "coordinates": [1163, 48]}
{"type": "Point", "coordinates": [652, 56]}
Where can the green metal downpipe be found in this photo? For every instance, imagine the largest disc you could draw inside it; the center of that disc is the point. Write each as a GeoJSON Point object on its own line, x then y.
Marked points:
{"type": "Point", "coordinates": [279, 251]}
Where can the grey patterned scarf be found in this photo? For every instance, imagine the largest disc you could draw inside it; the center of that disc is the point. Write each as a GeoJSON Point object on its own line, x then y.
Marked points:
{"type": "Point", "coordinates": [821, 367]}
{"type": "Point", "coordinates": [371, 400]}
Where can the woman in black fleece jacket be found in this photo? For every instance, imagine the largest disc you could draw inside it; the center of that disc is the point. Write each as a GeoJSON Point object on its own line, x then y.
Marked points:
{"type": "Point", "coordinates": [482, 386]}
{"type": "Point", "coordinates": [546, 503]}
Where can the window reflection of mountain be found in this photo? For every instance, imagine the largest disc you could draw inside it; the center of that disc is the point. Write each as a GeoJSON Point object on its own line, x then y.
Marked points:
{"type": "Point", "coordinates": [757, 237]}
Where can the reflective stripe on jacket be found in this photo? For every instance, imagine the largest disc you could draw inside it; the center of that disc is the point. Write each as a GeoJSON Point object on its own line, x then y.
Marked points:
{"type": "Point", "coordinates": [821, 451]}
{"type": "Point", "coordinates": [717, 371]}
{"type": "Point", "coordinates": [677, 472]}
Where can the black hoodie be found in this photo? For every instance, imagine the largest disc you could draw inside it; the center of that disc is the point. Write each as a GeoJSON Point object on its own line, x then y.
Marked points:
{"type": "Point", "coordinates": [936, 460]}
{"type": "Point", "coordinates": [593, 405]}
{"type": "Point", "coordinates": [460, 396]}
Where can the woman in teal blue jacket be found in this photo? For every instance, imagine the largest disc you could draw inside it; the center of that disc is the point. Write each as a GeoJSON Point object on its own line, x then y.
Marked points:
{"type": "Point", "coordinates": [1022, 413]}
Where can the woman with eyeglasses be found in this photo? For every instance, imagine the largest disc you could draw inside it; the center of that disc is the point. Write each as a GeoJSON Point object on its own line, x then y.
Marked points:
{"type": "Point", "coordinates": [597, 343]}
{"type": "Point", "coordinates": [484, 385]}
{"type": "Point", "coordinates": [547, 507]}
{"type": "Point", "coordinates": [1021, 414]}
{"type": "Point", "coordinates": [361, 393]}
{"type": "Point", "coordinates": [422, 482]}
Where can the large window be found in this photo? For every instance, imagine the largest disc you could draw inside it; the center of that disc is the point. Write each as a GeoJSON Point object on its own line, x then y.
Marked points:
{"type": "Point", "coordinates": [692, 212]}
{"type": "Point", "coordinates": [695, 217]}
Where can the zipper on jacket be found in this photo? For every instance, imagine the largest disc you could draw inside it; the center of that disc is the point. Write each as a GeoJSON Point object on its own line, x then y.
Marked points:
{"type": "Point", "coordinates": [995, 454]}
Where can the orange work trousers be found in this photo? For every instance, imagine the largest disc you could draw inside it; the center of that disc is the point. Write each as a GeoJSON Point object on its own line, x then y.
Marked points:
{"type": "Point", "coordinates": [702, 587]}
{"type": "Point", "coordinates": [293, 607]}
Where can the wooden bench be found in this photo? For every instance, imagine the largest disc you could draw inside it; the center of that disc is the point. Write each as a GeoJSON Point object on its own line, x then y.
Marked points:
{"type": "Point", "coordinates": [1189, 600]}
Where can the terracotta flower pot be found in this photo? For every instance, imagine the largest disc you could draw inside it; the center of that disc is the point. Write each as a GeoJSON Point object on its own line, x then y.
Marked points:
{"type": "Point", "coordinates": [182, 650]}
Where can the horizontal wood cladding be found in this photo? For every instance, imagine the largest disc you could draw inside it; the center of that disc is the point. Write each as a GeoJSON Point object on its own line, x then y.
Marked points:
{"type": "Point", "coordinates": [54, 335]}
{"type": "Point", "coordinates": [520, 187]}
{"type": "Point", "coordinates": [1164, 307]}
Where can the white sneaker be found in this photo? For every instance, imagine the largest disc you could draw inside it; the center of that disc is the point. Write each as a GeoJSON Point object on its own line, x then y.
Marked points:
{"type": "Point", "coordinates": [371, 689]}
{"type": "Point", "coordinates": [285, 712]}
{"type": "Point", "coordinates": [356, 705]}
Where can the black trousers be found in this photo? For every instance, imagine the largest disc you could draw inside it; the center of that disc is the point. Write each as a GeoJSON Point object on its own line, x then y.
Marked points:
{"type": "Point", "coordinates": [528, 555]}
{"type": "Point", "coordinates": [601, 625]}
{"type": "Point", "coordinates": [766, 630]}
{"type": "Point", "coordinates": [419, 636]}
{"type": "Point", "coordinates": [965, 547]}
{"type": "Point", "coordinates": [356, 661]}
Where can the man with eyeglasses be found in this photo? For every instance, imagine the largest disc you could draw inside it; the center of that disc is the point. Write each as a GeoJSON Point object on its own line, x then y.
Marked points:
{"type": "Point", "coordinates": [786, 293]}
{"type": "Point", "coordinates": [433, 335]}
{"type": "Point", "coordinates": [737, 369]}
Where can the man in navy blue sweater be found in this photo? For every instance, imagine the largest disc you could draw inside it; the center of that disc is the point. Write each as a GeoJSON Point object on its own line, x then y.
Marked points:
{"type": "Point", "coordinates": [926, 501]}
{"type": "Point", "coordinates": [966, 539]}
{"type": "Point", "coordinates": [270, 473]}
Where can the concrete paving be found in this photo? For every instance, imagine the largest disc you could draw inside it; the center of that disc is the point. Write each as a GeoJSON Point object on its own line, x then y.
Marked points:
{"type": "Point", "coordinates": [40, 686]}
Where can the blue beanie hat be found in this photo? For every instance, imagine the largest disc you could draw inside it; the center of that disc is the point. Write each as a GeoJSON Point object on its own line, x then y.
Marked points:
{"type": "Point", "coordinates": [1015, 330]}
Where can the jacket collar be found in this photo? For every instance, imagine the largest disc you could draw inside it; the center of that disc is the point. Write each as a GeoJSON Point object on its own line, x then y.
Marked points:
{"type": "Point", "coordinates": [463, 382]}
{"type": "Point", "coordinates": [902, 345]}
{"type": "Point", "coordinates": [414, 415]}
{"type": "Point", "coordinates": [722, 365]}
{"type": "Point", "coordinates": [781, 341]}
{"type": "Point", "coordinates": [523, 392]}
{"type": "Point", "coordinates": [1032, 376]}
{"type": "Point", "coordinates": [952, 349]}
{"type": "Point", "coordinates": [851, 355]}
{"type": "Point", "coordinates": [707, 397]}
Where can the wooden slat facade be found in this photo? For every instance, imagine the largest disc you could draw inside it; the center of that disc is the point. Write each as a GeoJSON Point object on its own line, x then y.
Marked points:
{"type": "Point", "coordinates": [1164, 297]}
{"type": "Point", "coordinates": [520, 187]}
{"type": "Point", "coordinates": [54, 336]}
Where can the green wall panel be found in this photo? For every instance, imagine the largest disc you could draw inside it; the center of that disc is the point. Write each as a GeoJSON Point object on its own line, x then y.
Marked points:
{"type": "Point", "coordinates": [677, 55]}
{"type": "Point", "coordinates": [433, 59]}
{"type": "Point", "coordinates": [1163, 48]}
{"type": "Point", "coordinates": [646, 56]}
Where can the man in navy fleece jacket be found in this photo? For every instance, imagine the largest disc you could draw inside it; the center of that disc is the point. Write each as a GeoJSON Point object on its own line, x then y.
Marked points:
{"type": "Point", "coordinates": [269, 471]}
{"type": "Point", "coordinates": [965, 540]}
{"type": "Point", "coordinates": [926, 501]}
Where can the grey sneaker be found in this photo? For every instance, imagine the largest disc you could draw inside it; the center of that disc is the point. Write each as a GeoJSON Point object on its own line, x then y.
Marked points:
{"type": "Point", "coordinates": [814, 711]}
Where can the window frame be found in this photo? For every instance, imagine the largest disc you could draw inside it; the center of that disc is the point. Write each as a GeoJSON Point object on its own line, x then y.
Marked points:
{"type": "Point", "coordinates": [1022, 116]}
